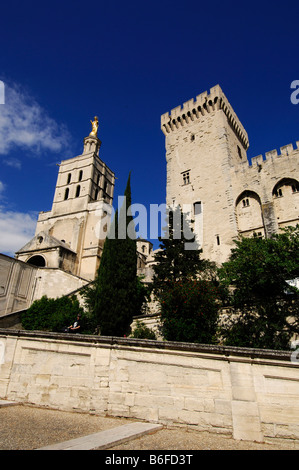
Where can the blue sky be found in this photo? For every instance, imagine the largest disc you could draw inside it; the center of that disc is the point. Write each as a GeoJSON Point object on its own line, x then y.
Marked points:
{"type": "Point", "coordinates": [64, 62]}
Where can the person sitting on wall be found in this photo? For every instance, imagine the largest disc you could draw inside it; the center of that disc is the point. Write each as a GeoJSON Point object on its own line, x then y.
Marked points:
{"type": "Point", "coordinates": [75, 327]}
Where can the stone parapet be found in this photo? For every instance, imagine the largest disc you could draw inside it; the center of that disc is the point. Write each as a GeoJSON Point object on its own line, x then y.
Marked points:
{"type": "Point", "coordinates": [273, 155]}
{"type": "Point", "coordinates": [247, 393]}
{"type": "Point", "coordinates": [203, 104]}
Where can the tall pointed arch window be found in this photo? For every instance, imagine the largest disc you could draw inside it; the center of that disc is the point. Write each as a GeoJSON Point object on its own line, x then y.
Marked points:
{"type": "Point", "coordinates": [78, 189]}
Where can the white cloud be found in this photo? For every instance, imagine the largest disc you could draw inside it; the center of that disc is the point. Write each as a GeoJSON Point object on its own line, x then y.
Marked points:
{"type": "Point", "coordinates": [13, 162]}
{"type": "Point", "coordinates": [16, 229]}
{"type": "Point", "coordinates": [25, 124]}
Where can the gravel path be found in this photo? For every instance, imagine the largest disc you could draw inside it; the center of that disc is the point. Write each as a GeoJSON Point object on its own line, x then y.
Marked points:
{"type": "Point", "coordinates": [27, 428]}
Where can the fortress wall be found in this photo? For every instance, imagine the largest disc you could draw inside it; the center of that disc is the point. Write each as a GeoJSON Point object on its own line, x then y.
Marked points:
{"type": "Point", "coordinates": [249, 394]}
{"type": "Point", "coordinates": [207, 165]}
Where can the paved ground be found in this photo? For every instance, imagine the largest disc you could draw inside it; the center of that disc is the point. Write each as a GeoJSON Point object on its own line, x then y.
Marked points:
{"type": "Point", "coordinates": [27, 428]}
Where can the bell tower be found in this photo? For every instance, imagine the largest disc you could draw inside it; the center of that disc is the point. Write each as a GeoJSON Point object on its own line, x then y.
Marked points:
{"type": "Point", "coordinates": [66, 236]}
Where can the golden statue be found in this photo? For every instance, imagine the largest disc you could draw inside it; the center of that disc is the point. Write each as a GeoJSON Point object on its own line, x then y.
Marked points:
{"type": "Point", "coordinates": [95, 126]}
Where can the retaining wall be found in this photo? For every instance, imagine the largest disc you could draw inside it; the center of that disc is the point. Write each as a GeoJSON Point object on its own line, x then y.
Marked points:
{"type": "Point", "coordinates": [249, 394]}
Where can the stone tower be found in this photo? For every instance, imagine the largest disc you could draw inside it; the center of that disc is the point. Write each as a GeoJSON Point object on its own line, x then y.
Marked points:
{"type": "Point", "coordinates": [66, 237]}
{"type": "Point", "coordinates": [208, 171]}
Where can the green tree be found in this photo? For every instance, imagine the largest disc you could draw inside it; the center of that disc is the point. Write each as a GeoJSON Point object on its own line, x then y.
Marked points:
{"type": "Point", "coordinates": [258, 272]}
{"type": "Point", "coordinates": [188, 301]}
{"type": "Point", "coordinates": [142, 331]}
{"type": "Point", "coordinates": [118, 296]}
{"type": "Point", "coordinates": [173, 261]}
{"type": "Point", "coordinates": [52, 314]}
{"type": "Point", "coordinates": [189, 311]}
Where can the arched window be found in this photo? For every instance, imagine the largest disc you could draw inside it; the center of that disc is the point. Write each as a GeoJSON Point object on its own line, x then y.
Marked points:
{"type": "Point", "coordinates": [96, 194]}
{"type": "Point", "coordinates": [37, 260]}
{"type": "Point", "coordinates": [285, 187]}
{"type": "Point", "coordinates": [69, 177]}
{"type": "Point", "coordinates": [78, 191]}
{"type": "Point", "coordinates": [80, 175]}
{"type": "Point", "coordinates": [249, 212]}
{"type": "Point", "coordinates": [66, 194]}
{"type": "Point", "coordinates": [285, 194]}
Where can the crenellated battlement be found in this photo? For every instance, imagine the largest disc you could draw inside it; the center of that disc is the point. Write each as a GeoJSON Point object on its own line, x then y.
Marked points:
{"type": "Point", "coordinates": [204, 104]}
{"type": "Point", "coordinates": [286, 150]}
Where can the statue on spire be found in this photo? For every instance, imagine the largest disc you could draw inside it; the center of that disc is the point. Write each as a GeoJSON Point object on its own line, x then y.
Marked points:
{"type": "Point", "coordinates": [95, 126]}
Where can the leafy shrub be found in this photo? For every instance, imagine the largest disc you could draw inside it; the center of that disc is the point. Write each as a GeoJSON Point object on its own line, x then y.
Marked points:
{"type": "Point", "coordinates": [259, 270]}
{"type": "Point", "coordinates": [189, 311]}
{"type": "Point", "coordinates": [142, 331]}
{"type": "Point", "coordinates": [52, 314]}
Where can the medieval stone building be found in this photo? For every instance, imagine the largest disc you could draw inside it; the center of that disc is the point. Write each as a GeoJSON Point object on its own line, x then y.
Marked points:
{"type": "Point", "coordinates": [208, 171]}
{"type": "Point", "coordinates": [64, 255]}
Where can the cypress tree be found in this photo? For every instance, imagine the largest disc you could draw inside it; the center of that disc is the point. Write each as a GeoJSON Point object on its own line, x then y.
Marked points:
{"type": "Point", "coordinates": [173, 261]}
{"type": "Point", "coordinates": [117, 297]}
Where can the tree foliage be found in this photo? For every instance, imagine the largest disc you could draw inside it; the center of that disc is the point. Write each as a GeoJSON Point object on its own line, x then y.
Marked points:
{"type": "Point", "coordinates": [142, 331]}
{"type": "Point", "coordinates": [189, 311]}
{"type": "Point", "coordinates": [53, 314]}
{"type": "Point", "coordinates": [117, 294]}
{"type": "Point", "coordinates": [188, 301]}
{"type": "Point", "coordinates": [259, 271]}
{"type": "Point", "coordinates": [173, 261]}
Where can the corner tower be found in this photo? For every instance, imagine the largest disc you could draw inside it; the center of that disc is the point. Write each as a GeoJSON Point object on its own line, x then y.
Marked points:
{"type": "Point", "coordinates": [204, 141]}
{"type": "Point", "coordinates": [66, 237]}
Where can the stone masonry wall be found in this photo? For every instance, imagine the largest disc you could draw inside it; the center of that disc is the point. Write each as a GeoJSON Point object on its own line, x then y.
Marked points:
{"type": "Point", "coordinates": [249, 394]}
{"type": "Point", "coordinates": [16, 285]}
{"type": "Point", "coordinates": [208, 172]}
{"type": "Point", "coordinates": [21, 284]}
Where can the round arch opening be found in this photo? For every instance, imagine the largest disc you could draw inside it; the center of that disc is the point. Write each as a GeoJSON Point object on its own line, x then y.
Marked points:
{"type": "Point", "coordinates": [291, 185]}
{"type": "Point", "coordinates": [37, 260]}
